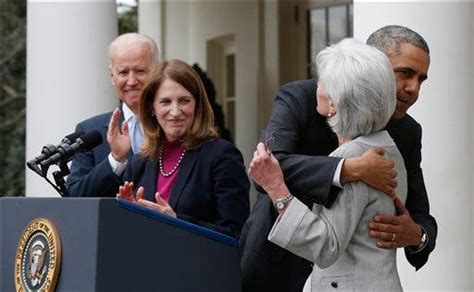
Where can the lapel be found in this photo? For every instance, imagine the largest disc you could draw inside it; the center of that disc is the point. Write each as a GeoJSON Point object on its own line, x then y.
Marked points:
{"type": "Point", "coordinates": [121, 119]}
{"type": "Point", "coordinates": [185, 170]}
{"type": "Point", "coordinates": [149, 182]}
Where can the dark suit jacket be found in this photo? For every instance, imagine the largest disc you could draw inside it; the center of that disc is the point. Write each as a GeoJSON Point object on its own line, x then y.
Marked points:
{"type": "Point", "coordinates": [302, 136]}
{"type": "Point", "coordinates": [91, 174]}
{"type": "Point", "coordinates": [212, 188]}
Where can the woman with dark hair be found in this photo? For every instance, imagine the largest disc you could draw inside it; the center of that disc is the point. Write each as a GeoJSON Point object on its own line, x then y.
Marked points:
{"type": "Point", "coordinates": [184, 169]}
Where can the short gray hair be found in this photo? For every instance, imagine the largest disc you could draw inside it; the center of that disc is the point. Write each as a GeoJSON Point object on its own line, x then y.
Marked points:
{"type": "Point", "coordinates": [133, 38]}
{"type": "Point", "coordinates": [359, 79]}
{"type": "Point", "coordinates": [389, 38]}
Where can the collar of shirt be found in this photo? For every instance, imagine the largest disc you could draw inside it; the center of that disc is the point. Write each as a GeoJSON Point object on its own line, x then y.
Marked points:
{"type": "Point", "coordinates": [127, 115]}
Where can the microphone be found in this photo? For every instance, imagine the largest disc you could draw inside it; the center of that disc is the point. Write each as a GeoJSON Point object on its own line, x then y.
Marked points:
{"type": "Point", "coordinates": [67, 151]}
{"type": "Point", "coordinates": [49, 149]}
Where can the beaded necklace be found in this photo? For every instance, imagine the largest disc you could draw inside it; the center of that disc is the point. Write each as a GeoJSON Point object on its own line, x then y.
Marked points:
{"type": "Point", "coordinates": [170, 173]}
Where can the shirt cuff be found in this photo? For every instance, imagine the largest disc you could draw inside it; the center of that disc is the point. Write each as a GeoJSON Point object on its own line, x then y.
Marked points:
{"type": "Point", "coordinates": [336, 179]}
{"type": "Point", "coordinates": [117, 167]}
{"type": "Point", "coordinates": [416, 249]}
{"type": "Point", "coordinates": [286, 224]}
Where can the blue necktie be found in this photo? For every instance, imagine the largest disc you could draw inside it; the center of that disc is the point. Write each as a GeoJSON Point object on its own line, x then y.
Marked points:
{"type": "Point", "coordinates": [137, 135]}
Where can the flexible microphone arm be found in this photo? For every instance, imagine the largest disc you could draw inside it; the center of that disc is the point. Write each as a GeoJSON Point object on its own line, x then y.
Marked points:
{"type": "Point", "coordinates": [59, 179]}
{"type": "Point", "coordinates": [61, 155]}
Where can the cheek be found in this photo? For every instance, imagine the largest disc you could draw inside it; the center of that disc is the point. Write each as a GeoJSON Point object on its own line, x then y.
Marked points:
{"type": "Point", "coordinates": [413, 100]}
{"type": "Point", "coordinates": [142, 79]}
{"type": "Point", "coordinates": [121, 83]}
{"type": "Point", "coordinates": [190, 117]}
{"type": "Point", "coordinates": [159, 112]}
{"type": "Point", "coordinates": [189, 110]}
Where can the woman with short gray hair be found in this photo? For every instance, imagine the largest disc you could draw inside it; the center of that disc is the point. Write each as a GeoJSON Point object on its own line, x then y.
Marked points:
{"type": "Point", "coordinates": [356, 92]}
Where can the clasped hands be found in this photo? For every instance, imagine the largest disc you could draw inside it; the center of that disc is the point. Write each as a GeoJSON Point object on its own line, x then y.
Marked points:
{"type": "Point", "coordinates": [126, 193]}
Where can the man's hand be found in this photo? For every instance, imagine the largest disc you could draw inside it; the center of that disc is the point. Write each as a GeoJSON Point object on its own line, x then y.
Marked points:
{"type": "Point", "coordinates": [395, 231]}
{"type": "Point", "coordinates": [373, 169]}
{"type": "Point", "coordinates": [119, 141]}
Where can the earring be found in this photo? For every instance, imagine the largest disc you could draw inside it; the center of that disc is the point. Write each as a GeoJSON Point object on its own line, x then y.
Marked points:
{"type": "Point", "coordinates": [331, 112]}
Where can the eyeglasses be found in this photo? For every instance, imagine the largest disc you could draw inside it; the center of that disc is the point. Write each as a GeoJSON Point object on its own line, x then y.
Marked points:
{"type": "Point", "coordinates": [269, 141]}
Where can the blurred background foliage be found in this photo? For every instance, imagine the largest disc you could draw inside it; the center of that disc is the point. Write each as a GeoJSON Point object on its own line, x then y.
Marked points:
{"type": "Point", "coordinates": [13, 89]}
{"type": "Point", "coordinates": [12, 97]}
{"type": "Point", "coordinates": [127, 12]}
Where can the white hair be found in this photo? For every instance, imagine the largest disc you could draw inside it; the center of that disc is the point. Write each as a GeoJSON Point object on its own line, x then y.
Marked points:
{"type": "Point", "coordinates": [129, 39]}
{"type": "Point", "coordinates": [360, 81]}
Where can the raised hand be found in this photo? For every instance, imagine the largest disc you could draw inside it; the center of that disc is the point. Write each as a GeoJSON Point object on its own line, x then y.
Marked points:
{"type": "Point", "coordinates": [119, 141]}
{"type": "Point", "coordinates": [126, 192]}
{"type": "Point", "coordinates": [266, 171]}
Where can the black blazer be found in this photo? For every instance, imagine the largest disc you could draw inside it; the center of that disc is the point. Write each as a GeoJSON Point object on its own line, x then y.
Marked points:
{"type": "Point", "coordinates": [91, 174]}
{"type": "Point", "coordinates": [212, 188]}
{"type": "Point", "coordinates": [302, 138]}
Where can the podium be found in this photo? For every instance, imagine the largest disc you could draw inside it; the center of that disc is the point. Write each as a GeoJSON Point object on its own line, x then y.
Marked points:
{"type": "Point", "coordinates": [112, 245]}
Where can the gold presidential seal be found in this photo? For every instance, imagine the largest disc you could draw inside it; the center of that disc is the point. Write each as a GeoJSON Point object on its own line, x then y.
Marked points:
{"type": "Point", "coordinates": [38, 257]}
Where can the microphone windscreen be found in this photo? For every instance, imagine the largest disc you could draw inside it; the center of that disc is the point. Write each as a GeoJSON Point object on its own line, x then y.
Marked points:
{"type": "Point", "coordinates": [71, 138]}
{"type": "Point", "coordinates": [91, 139]}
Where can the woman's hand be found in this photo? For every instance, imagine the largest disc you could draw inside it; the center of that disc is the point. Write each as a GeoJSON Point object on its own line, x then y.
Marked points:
{"type": "Point", "coordinates": [265, 171]}
{"type": "Point", "coordinates": [126, 192]}
{"type": "Point", "coordinates": [161, 205]}
{"type": "Point", "coordinates": [119, 141]}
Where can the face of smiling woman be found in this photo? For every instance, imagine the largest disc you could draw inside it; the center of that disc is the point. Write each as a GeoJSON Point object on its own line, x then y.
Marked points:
{"type": "Point", "coordinates": [174, 108]}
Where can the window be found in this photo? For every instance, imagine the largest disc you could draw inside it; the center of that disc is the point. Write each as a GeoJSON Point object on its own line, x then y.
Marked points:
{"type": "Point", "coordinates": [327, 26]}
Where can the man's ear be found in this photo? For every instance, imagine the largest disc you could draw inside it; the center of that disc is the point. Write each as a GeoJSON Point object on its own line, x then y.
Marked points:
{"type": "Point", "coordinates": [111, 75]}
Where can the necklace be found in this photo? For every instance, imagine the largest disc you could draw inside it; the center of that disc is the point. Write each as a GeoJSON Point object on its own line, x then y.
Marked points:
{"type": "Point", "coordinates": [166, 174]}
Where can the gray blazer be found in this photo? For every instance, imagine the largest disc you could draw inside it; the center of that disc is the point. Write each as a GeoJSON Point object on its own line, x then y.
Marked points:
{"type": "Point", "coordinates": [337, 239]}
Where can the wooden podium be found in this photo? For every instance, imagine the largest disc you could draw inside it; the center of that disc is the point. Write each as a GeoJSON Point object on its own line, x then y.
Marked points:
{"type": "Point", "coordinates": [112, 245]}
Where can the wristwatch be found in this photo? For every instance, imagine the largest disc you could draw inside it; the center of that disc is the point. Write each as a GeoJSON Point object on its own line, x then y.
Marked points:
{"type": "Point", "coordinates": [281, 203]}
{"type": "Point", "coordinates": [423, 238]}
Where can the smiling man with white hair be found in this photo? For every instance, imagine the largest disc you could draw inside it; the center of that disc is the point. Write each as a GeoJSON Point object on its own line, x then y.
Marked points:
{"type": "Point", "coordinates": [93, 173]}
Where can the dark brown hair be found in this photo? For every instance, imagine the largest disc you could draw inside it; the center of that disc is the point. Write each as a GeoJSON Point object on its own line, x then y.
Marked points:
{"type": "Point", "coordinates": [202, 127]}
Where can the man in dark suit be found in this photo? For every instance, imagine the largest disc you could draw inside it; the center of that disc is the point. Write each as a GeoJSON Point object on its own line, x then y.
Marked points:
{"type": "Point", "coordinates": [303, 136]}
{"type": "Point", "coordinates": [96, 172]}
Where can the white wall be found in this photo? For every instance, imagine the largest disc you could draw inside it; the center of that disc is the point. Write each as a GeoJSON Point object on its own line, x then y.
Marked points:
{"type": "Point", "coordinates": [445, 111]}
{"type": "Point", "coordinates": [472, 143]}
{"type": "Point", "coordinates": [151, 19]}
{"type": "Point", "coordinates": [67, 73]}
{"type": "Point", "coordinates": [188, 25]}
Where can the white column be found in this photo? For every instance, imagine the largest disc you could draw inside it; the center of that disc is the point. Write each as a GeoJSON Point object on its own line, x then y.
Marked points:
{"type": "Point", "coordinates": [151, 21]}
{"type": "Point", "coordinates": [471, 73]}
{"type": "Point", "coordinates": [67, 72]}
{"type": "Point", "coordinates": [445, 111]}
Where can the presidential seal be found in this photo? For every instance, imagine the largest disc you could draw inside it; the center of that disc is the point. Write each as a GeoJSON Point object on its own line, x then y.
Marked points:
{"type": "Point", "coordinates": [38, 257]}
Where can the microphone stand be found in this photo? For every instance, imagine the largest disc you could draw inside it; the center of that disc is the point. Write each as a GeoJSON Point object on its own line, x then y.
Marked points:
{"type": "Point", "coordinates": [59, 178]}
{"type": "Point", "coordinates": [58, 175]}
